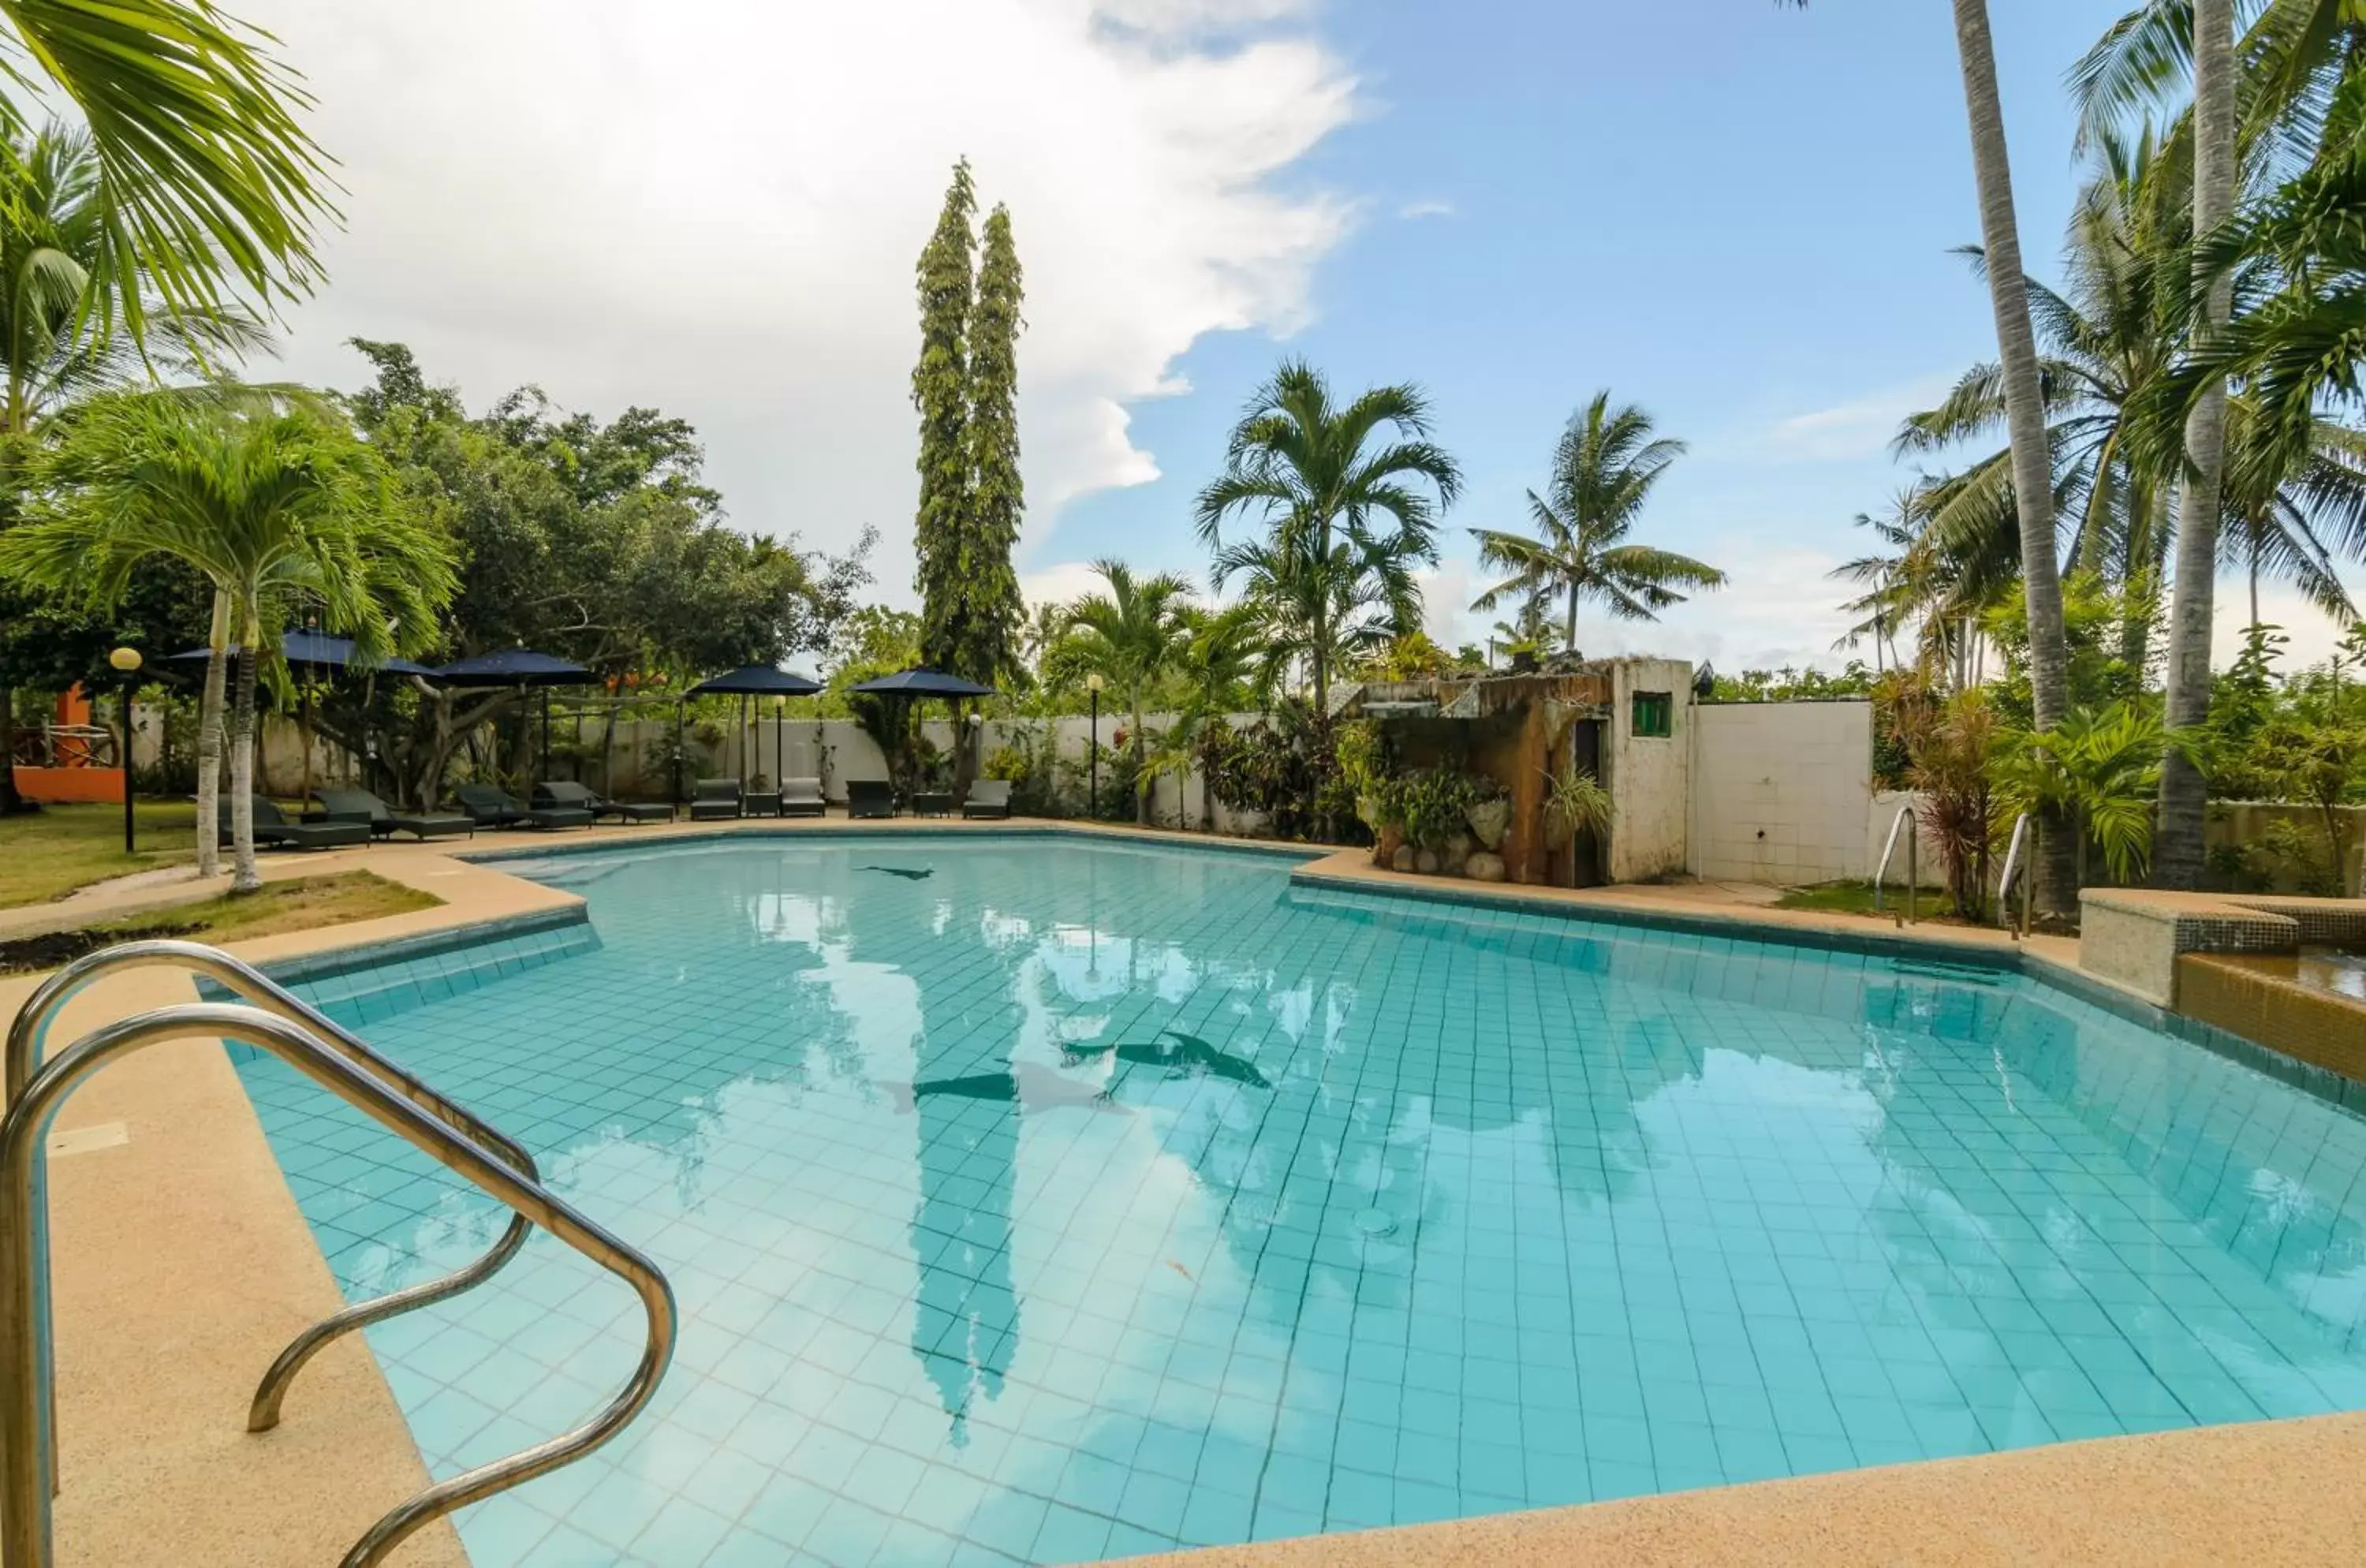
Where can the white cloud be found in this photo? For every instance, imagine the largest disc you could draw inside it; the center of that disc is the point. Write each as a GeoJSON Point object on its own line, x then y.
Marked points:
{"type": "Point", "coordinates": [1425, 208]}
{"type": "Point", "coordinates": [1846, 431]}
{"type": "Point", "coordinates": [1061, 584]}
{"type": "Point", "coordinates": [717, 210]}
{"type": "Point", "coordinates": [2313, 634]}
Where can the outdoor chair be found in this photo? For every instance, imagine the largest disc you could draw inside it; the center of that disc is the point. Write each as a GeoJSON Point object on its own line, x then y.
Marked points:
{"type": "Point", "coordinates": [274, 830]}
{"type": "Point", "coordinates": [715, 799]}
{"type": "Point", "coordinates": [361, 806]}
{"type": "Point", "coordinates": [869, 798]}
{"type": "Point", "coordinates": [567, 797]}
{"type": "Point", "coordinates": [803, 798]}
{"type": "Point", "coordinates": [492, 806]}
{"type": "Point", "coordinates": [932, 803]}
{"type": "Point", "coordinates": [987, 797]}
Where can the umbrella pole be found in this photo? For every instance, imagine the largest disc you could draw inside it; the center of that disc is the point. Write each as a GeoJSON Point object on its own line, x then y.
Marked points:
{"type": "Point", "coordinates": [545, 732]}
{"type": "Point", "coordinates": [681, 710]}
{"type": "Point", "coordinates": [304, 734]}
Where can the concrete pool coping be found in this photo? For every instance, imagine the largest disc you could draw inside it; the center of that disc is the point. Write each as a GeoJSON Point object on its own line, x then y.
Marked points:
{"type": "Point", "coordinates": [182, 1264]}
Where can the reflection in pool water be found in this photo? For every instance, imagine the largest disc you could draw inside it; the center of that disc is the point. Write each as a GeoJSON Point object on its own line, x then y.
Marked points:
{"type": "Point", "coordinates": [1074, 1200]}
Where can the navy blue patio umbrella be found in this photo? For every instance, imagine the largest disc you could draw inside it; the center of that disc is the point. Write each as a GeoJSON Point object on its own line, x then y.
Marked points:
{"type": "Point", "coordinates": [519, 667]}
{"type": "Point", "coordinates": [310, 650]}
{"type": "Point", "coordinates": [921, 680]}
{"type": "Point", "coordinates": [758, 680]}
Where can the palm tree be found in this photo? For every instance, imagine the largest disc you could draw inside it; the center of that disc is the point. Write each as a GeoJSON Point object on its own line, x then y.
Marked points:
{"type": "Point", "coordinates": [210, 177]}
{"type": "Point", "coordinates": [1219, 657]}
{"type": "Point", "coordinates": [2041, 576]}
{"type": "Point", "coordinates": [1309, 469]}
{"type": "Point", "coordinates": [276, 510]}
{"type": "Point", "coordinates": [1603, 470]}
{"type": "Point", "coordinates": [65, 334]}
{"type": "Point", "coordinates": [1316, 612]}
{"type": "Point", "coordinates": [1130, 637]}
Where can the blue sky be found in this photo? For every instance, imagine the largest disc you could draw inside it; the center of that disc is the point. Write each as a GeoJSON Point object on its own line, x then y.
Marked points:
{"type": "Point", "coordinates": [1740, 217]}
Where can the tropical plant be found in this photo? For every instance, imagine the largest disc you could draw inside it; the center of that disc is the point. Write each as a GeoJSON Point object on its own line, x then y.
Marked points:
{"type": "Point", "coordinates": [1603, 470]}
{"type": "Point", "coordinates": [1951, 748]}
{"type": "Point", "coordinates": [1577, 801]}
{"type": "Point", "coordinates": [278, 510]}
{"type": "Point", "coordinates": [1345, 519]}
{"type": "Point", "coordinates": [2096, 772]}
{"type": "Point", "coordinates": [1316, 614]}
{"type": "Point", "coordinates": [1132, 636]}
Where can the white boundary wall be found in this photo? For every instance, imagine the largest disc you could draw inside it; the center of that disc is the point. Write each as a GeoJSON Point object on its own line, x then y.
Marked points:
{"type": "Point", "coordinates": [1782, 793]}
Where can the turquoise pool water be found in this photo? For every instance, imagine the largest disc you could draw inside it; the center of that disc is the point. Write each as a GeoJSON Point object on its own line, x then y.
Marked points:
{"type": "Point", "coordinates": [1052, 1201]}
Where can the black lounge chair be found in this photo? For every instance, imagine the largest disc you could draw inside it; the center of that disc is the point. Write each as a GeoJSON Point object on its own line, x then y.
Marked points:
{"type": "Point", "coordinates": [274, 830]}
{"type": "Point", "coordinates": [803, 798]}
{"type": "Point", "coordinates": [361, 806]}
{"type": "Point", "coordinates": [987, 797]}
{"type": "Point", "coordinates": [715, 799]}
{"type": "Point", "coordinates": [564, 797]}
{"type": "Point", "coordinates": [492, 806]}
{"type": "Point", "coordinates": [869, 798]}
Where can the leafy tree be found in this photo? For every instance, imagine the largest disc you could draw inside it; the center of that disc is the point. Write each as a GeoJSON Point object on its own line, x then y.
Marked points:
{"type": "Point", "coordinates": [1346, 521]}
{"type": "Point", "coordinates": [2098, 770]}
{"type": "Point", "coordinates": [1322, 612]}
{"type": "Point", "coordinates": [1603, 470]}
{"type": "Point", "coordinates": [278, 512]}
{"type": "Point", "coordinates": [597, 542]}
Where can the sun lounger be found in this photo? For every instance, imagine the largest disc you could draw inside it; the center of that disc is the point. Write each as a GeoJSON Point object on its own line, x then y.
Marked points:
{"type": "Point", "coordinates": [565, 797]}
{"type": "Point", "coordinates": [987, 797]}
{"type": "Point", "coordinates": [803, 798]}
{"type": "Point", "coordinates": [274, 830]}
{"type": "Point", "coordinates": [494, 807]}
{"type": "Point", "coordinates": [715, 799]}
{"type": "Point", "coordinates": [869, 798]}
{"type": "Point", "coordinates": [361, 806]}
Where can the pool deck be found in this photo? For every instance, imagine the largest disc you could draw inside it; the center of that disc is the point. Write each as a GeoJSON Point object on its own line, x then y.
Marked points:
{"type": "Point", "coordinates": [181, 1266]}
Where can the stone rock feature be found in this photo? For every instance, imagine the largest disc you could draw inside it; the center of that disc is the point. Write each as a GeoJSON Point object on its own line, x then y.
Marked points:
{"type": "Point", "coordinates": [1484, 866]}
{"type": "Point", "coordinates": [1490, 819]}
{"type": "Point", "coordinates": [1403, 859]}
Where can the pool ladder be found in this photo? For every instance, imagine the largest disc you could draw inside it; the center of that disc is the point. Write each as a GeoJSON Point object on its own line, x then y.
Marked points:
{"type": "Point", "coordinates": [271, 1019]}
{"type": "Point", "coordinates": [1905, 821]}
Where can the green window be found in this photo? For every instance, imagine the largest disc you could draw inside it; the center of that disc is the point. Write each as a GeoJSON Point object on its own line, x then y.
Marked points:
{"type": "Point", "coordinates": [1656, 713]}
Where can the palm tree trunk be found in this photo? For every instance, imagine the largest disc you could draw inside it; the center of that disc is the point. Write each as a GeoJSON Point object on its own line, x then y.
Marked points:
{"type": "Point", "coordinates": [1140, 781]}
{"type": "Point", "coordinates": [1569, 634]}
{"type": "Point", "coordinates": [244, 878]}
{"type": "Point", "coordinates": [209, 741]}
{"type": "Point", "coordinates": [2025, 414]}
{"type": "Point", "coordinates": [2176, 850]}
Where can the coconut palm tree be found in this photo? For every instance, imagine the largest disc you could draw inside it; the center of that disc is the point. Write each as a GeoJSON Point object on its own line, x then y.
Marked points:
{"type": "Point", "coordinates": [1321, 477]}
{"type": "Point", "coordinates": [2032, 491]}
{"type": "Point", "coordinates": [1130, 637]}
{"type": "Point", "coordinates": [278, 510]}
{"type": "Point", "coordinates": [1317, 612]}
{"type": "Point", "coordinates": [1604, 470]}
{"type": "Point", "coordinates": [212, 181]}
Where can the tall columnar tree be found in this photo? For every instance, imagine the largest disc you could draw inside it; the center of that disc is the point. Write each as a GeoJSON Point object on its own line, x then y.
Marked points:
{"type": "Point", "coordinates": [940, 392]}
{"type": "Point", "coordinates": [985, 644]}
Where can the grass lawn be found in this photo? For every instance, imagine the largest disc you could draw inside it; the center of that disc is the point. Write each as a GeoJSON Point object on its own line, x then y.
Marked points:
{"type": "Point", "coordinates": [303, 905]}
{"type": "Point", "coordinates": [47, 853]}
{"type": "Point", "coordinates": [1856, 899]}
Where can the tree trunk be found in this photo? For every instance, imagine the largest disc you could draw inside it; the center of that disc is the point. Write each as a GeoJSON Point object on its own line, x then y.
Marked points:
{"type": "Point", "coordinates": [209, 741]}
{"type": "Point", "coordinates": [1569, 634]}
{"type": "Point", "coordinates": [245, 878]}
{"type": "Point", "coordinates": [2024, 413]}
{"type": "Point", "coordinates": [2177, 852]}
{"type": "Point", "coordinates": [10, 799]}
{"type": "Point", "coordinates": [1141, 780]}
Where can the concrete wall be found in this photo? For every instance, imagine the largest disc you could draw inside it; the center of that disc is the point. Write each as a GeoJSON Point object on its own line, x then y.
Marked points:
{"type": "Point", "coordinates": [2245, 822]}
{"type": "Point", "coordinates": [1649, 777]}
{"type": "Point", "coordinates": [1930, 869]}
{"type": "Point", "coordinates": [1782, 793]}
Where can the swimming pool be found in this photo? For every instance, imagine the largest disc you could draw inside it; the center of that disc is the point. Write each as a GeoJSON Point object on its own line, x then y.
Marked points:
{"type": "Point", "coordinates": [1036, 1200]}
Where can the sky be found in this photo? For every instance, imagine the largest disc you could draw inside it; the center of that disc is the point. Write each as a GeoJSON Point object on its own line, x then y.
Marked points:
{"type": "Point", "coordinates": [1738, 217]}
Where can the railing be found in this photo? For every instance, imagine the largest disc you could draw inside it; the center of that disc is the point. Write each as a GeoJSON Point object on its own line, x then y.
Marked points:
{"type": "Point", "coordinates": [2014, 861]}
{"type": "Point", "coordinates": [1904, 819]}
{"type": "Point", "coordinates": [344, 1066]}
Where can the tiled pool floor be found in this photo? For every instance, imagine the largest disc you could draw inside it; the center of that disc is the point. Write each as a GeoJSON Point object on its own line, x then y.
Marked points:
{"type": "Point", "coordinates": [1075, 1201]}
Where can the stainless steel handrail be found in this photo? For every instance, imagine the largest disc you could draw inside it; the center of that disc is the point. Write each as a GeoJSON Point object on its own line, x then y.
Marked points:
{"type": "Point", "coordinates": [28, 1035]}
{"type": "Point", "coordinates": [26, 1437]}
{"type": "Point", "coordinates": [1908, 820]}
{"type": "Point", "coordinates": [2012, 862]}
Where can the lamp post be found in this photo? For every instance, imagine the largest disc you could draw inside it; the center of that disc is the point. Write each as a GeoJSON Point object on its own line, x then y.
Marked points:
{"type": "Point", "coordinates": [1093, 684]}
{"type": "Point", "coordinates": [126, 661]}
